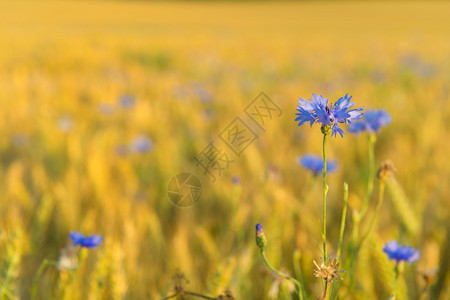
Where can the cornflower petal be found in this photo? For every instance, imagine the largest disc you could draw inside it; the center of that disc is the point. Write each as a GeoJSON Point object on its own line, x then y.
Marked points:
{"type": "Point", "coordinates": [401, 253]}
{"type": "Point", "coordinates": [314, 163]}
{"type": "Point", "coordinates": [372, 122]}
{"type": "Point", "coordinates": [91, 241]}
{"type": "Point", "coordinates": [317, 110]}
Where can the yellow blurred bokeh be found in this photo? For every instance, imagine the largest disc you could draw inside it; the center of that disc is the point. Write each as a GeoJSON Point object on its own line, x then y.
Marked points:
{"type": "Point", "coordinates": [103, 102]}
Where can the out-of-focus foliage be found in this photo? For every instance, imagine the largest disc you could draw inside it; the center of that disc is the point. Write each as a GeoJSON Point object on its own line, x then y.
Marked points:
{"type": "Point", "coordinates": [75, 157]}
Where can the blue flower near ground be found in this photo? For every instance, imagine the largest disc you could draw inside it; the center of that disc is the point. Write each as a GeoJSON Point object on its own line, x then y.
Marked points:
{"type": "Point", "coordinates": [372, 121]}
{"type": "Point", "coordinates": [127, 101]}
{"type": "Point", "coordinates": [142, 144]}
{"type": "Point", "coordinates": [319, 111]}
{"type": "Point", "coordinates": [91, 241]}
{"type": "Point", "coordinates": [401, 253]}
{"type": "Point", "coordinates": [315, 164]}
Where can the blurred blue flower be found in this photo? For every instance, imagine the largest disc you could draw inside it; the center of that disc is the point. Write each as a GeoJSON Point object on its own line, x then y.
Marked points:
{"type": "Point", "coordinates": [236, 180]}
{"type": "Point", "coordinates": [314, 163]}
{"type": "Point", "coordinates": [413, 63]}
{"type": "Point", "coordinates": [318, 110]}
{"type": "Point", "coordinates": [372, 121]}
{"type": "Point", "coordinates": [203, 95]}
{"type": "Point", "coordinates": [401, 253]}
{"type": "Point", "coordinates": [142, 144]}
{"type": "Point", "coordinates": [126, 101]}
{"type": "Point", "coordinates": [91, 241]}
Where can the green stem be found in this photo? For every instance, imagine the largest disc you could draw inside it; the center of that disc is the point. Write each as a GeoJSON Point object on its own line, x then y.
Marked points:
{"type": "Point", "coordinates": [198, 295]}
{"type": "Point", "coordinates": [364, 237]}
{"type": "Point", "coordinates": [337, 285]}
{"type": "Point", "coordinates": [37, 276]}
{"type": "Point", "coordinates": [344, 214]}
{"type": "Point", "coordinates": [397, 275]}
{"type": "Point", "coordinates": [266, 262]}
{"type": "Point", "coordinates": [357, 216]}
{"type": "Point", "coordinates": [326, 292]}
{"type": "Point", "coordinates": [299, 273]}
{"type": "Point", "coordinates": [325, 190]}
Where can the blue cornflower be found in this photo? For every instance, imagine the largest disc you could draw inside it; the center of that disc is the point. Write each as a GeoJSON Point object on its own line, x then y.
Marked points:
{"type": "Point", "coordinates": [91, 241]}
{"type": "Point", "coordinates": [401, 253]}
{"type": "Point", "coordinates": [142, 144]}
{"type": "Point", "coordinates": [372, 122]}
{"type": "Point", "coordinates": [315, 164]}
{"type": "Point", "coordinates": [126, 101]}
{"type": "Point", "coordinates": [318, 110]}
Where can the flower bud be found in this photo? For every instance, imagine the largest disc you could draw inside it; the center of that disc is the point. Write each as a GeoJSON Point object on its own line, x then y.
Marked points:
{"type": "Point", "coordinates": [261, 239]}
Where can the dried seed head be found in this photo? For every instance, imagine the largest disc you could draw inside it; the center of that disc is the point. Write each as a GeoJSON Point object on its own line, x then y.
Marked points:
{"type": "Point", "coordinates": [68, 258]}
{"type": "Point", "coordinates": [430, 275]}
{"type": "Point", "coordinates": [328, 271]}
{"type": "Point", "coordinates": [385, 170]}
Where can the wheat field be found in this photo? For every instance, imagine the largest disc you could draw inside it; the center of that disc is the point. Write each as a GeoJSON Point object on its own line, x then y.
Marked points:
{"type": "Point", "coordinates": [104, 102]}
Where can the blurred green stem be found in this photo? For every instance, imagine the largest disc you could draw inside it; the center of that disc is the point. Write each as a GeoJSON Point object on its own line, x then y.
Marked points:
{"type": "Point", "coordinates": [298, 285]}
{"type": "Point", "coordinates": [344, 215]}
{"type": "Point", "coordinates": [358, 216]}
{"type": "Point", "coordinates": [365, 236]}
{"type": "Point", "coordinates": [354, 247]}
{"type": "Point", "coordinates": [397, 275]}
{"type": "Point", "coordinates": [37, 276]}
{"type": "Point", "coordinates": [299, 273]}
{"type": "Point", "coordinates": [375, 215]}
{"type": "Point", "coordinates": [372, 140]}
{"type": "Point", "coordinates": [325, 191]}
{"type": "Point", "coordinates": [337, 285]}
